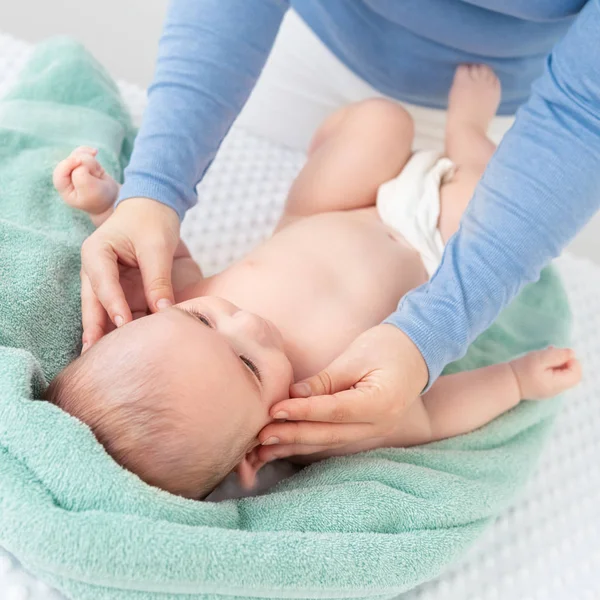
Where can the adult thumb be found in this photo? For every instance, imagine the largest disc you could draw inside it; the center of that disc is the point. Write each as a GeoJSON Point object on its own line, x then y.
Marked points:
{"type": "Point", "coordinates": [340, 375]}
{"type": "Point", "coordinates": [156, 264]}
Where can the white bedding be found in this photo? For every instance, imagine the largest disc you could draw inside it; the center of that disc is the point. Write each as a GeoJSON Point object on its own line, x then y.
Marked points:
{"type": "Point", "coordinates": [547, 547]}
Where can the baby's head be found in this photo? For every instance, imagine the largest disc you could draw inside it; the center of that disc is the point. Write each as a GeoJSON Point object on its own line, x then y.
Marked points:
{"type": "Point", "coordinates": [179, 397]}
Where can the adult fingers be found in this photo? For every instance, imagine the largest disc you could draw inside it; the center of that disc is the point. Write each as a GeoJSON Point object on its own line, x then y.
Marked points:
{"type": "Point", "coordinates": [347, 406]}
{"type": "Point", "coordinates": [156, 262]}
{"type": "Point", "coordinates": [313, 434]}
{"type": "Point", "coordinates": [93, 316]}
{"type": "Point", "coordinates": [99, 262]}
{"type": "Point", "coordinates": [269, 453]}
{"type": "Point", "coordinates": [344, 372]}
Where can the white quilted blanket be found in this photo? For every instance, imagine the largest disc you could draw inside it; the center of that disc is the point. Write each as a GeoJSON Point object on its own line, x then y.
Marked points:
{"type": "Point", "coordinates": [547, 547]}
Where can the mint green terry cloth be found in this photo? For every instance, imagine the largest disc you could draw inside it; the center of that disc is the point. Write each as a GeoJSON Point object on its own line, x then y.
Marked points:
{"type": "Point", "coordinates": [365, 526]}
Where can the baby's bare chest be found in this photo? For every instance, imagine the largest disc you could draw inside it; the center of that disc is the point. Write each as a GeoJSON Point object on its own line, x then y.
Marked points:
{"type": "Point", "coordinates": [323, 280]}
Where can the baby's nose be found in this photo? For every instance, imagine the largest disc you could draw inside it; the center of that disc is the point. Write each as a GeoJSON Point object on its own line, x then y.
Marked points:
{"type": "Point", "coordinates": [252, 325]}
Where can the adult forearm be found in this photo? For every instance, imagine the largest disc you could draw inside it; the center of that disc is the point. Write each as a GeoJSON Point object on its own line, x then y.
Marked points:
{"type": "Point", "coordinates": [540, 188]}
{"type": "Point", "coordinates": [210, 55]}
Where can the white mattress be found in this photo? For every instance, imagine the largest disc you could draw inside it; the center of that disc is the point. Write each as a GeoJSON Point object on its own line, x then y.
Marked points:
{"type": "Point", "coordinates": [547, 547]}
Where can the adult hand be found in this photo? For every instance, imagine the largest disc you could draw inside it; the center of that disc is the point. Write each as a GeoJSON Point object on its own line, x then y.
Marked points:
{"type": "Point", "coordinates": [141, 233]}
{"type": "Point", "coordinates": [360, 395]}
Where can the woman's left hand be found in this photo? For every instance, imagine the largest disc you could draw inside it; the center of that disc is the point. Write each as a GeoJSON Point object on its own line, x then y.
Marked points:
{"type": "Point", "coordinates": [183, 273]}
{"type": "Point", "coordinates": [360, 395]}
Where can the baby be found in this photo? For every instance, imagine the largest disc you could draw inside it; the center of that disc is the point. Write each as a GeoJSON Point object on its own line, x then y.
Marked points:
{"type": "Point", "coordinates": [179, 397]}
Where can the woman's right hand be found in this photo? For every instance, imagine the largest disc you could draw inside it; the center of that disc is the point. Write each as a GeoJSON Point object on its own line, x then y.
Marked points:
{"type": "Point", "coordinates": [141, 233]}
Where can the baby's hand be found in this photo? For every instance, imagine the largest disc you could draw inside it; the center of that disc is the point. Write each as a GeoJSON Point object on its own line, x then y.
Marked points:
{"type": "Point", "coordinates": [83, 183]}
{"type": "Point", "coordinates": [546, 373]}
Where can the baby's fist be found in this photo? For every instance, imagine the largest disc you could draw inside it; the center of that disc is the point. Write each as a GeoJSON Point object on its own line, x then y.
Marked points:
{"type": "Point", "coordinates": [546, 373]}
{"type": "Point", "coordinates": [83, 183]}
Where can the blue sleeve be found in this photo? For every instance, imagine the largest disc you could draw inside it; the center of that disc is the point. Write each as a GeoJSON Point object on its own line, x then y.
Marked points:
{"type": "Point", "coordinates": [210, 55]}
{"type": "Point", "coordinates": [540, 188]}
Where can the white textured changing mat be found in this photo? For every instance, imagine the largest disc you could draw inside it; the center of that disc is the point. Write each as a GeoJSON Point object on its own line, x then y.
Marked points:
{"type": "Point", "coordinates": [547, 547]}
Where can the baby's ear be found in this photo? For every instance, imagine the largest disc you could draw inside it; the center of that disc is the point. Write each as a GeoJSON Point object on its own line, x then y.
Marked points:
{"type": "Point", "coordinates": [248, 468]}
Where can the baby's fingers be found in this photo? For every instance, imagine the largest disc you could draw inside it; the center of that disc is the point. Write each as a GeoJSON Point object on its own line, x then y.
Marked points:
{"type": "Point", "coordinates": [61, 177]}
{"type": "Point", "coordinates": [84, 150]}
{"type": "Point", "coordinates": [569, 374]}
{"type": "Point", "coordinates": [553, 357]}
{"type": "Point", "coordinates": [92, 165]}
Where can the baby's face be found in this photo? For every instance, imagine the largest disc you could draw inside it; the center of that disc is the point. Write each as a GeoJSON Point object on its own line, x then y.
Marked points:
{"type": "Point", "coordinates": [241, 346]}
{"type": "Point", "coordinates": [226, 366]}
{"type": "Point", "coordinates": [180, 396]}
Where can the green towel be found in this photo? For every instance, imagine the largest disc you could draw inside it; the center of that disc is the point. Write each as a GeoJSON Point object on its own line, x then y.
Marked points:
{"type": "Point", "coordinates": [366, 526]}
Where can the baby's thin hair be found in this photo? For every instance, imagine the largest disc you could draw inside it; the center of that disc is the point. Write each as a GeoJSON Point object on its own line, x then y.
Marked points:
{"type": "Point", "coordinates": [129, 413]}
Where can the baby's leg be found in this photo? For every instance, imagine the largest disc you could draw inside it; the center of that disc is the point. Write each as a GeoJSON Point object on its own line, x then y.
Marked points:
{"type": "Point", "coordinates": [472, 104]}
{"type": "Point", "coordinates": [353, 152]}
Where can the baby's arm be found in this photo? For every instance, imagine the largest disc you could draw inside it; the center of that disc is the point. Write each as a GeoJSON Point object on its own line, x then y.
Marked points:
{"type": "Point", "coordinates": [459, 403]}
{"type": "Point", "coordinates": [84, 184]}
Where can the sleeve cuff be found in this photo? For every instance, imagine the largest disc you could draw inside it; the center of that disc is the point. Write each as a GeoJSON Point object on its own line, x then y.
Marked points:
{"type": "Point", "coordinates": [426, 342]}
{"type": "Point", "coordinates": [143, 187]}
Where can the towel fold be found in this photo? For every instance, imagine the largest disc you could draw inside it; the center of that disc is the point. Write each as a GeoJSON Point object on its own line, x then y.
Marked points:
{"type": "Point", "coordinates": [365, 526]}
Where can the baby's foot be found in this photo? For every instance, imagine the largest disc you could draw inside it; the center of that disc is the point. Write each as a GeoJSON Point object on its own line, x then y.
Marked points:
{"type": "Point", "coordinates": [83, 183]}
{"type": "Point", "coordinates": [546, 373]}
{"type": "Point", "coordinates": [474, 97]}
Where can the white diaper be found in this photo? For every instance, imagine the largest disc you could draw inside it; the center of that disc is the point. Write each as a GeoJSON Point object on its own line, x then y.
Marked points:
{"type": "Point", "coordinates": [410, 204]}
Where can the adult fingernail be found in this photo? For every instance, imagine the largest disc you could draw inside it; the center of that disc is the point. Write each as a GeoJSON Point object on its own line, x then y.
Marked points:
{"type": "Point", "coordinates": [163, 303]}
{"type": "Point", "coordinates": [271, 441]}
{"type": "Point", "coordinates": [301, 389]}
{"type": "Point", "coordinates": [281, 415]}
{"type": "Point", "coordinates": [84, 347]}
{"type": "Point", "coordinates": [118, 320]}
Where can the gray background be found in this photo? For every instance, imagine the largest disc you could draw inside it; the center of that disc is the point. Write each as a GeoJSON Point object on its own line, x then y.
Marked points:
{"type": "Point", "coordinates": [123, 35]}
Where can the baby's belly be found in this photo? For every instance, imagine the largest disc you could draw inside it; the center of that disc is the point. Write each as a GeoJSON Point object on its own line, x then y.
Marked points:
{"type": "Point", "coordinates": [323, 280]}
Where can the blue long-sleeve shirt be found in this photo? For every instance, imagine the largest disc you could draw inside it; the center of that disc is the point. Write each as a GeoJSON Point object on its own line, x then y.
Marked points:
{"type": "Point", "coordinates": [540, 188]}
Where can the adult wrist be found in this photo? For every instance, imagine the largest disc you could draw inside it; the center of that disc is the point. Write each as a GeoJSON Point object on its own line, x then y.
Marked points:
{"type": "Point", "coordinates": [148, 188]}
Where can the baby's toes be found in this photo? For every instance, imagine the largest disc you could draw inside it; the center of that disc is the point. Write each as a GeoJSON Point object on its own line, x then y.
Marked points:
{"type": "Point", "coordinates": [485, 72]}
{"type": "Point", "coordinates": [462, 74]}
